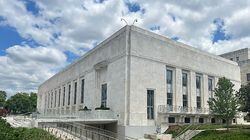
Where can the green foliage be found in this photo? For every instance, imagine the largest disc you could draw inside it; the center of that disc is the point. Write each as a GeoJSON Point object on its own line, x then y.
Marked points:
{"type": "Point", "coordinates": [241, 134]}
{"type": "Point", "coordinates": [9, 133]}
{"type": "Point", "coordinates": [22, 103]}
{"type": "Point", "coordinates": [225, 103]}
{"type": "Point", "coordinates": [177, 129]}
{"type": "Point", "coordinates": [2, 98]}
{"type": "Point", "coordinates": [33, 101]}
{"type": "Point", "coordinates": [244, 98]}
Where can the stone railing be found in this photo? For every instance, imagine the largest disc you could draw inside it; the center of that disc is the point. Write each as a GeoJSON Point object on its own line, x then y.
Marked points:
{"type": "Point", "coordinates": [84, 115]}
{"type": "Point", "coordinates": [181, 109]}
{"type": "Point", "coordinates": [97, 114]}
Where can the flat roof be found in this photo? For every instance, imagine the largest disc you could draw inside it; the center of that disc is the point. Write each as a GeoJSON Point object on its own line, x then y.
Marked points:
{"type": "Point", "coordinates": [236, 51]}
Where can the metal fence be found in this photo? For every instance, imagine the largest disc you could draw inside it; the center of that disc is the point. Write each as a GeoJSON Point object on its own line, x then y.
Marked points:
{"type": "Point", "coordinates": [80, 131]}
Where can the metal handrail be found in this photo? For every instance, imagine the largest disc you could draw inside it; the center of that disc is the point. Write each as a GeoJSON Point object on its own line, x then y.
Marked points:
{"type": "Point", "coordinates": [77, 115]}
{"type": "Point", "coordinates": [103, 130]}
{"type": "Point", "coordinates": [96, 128]}
{"type": "Point", "coordinates": [80, 127]}
{"type": "Point", "coordinates": [91, 131]}
{"type": "Point", "coordinates": [190, 132]}
{"type": "Point", "coordinates": [183, 131]}
{"type": "Point", "coordinates": [74, 134]}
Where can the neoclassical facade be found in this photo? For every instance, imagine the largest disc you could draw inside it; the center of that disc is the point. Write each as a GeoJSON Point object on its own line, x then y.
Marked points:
{"type": "Point", "coordinates": [143, 79]}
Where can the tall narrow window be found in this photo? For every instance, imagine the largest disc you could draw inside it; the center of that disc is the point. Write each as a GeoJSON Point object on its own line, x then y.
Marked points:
{"type": "Point", "coordinates": [82, 91]}
{"type": "Point", "coordinates": [184, 90]}
{"type": "Point", "coordinates": [184, 79]}
{"type": "Point", "coordinates": [198, 99]}
{"type": "Point", "coordinates": [104, 95]}
{"type": "Point", "coordinates": [248, 76]}
{"type": "Point", "coordinates": [55, 98]}
{"type": "Point", "coordinates": [59, 101]}
{"type": "Point", "coordinates": [210, 87]}
{"type": "Point", "coordinates": [46, 104]}
{"type": "Point", "coordinates": [48, 100]}
{"type": "Point", "coordinates": [185, 101]}
{"type": "Point", "coordinates": [198, 91]}
{"type": "Point", "coordinates": [169, 87]}
{"type": "Point", "coordinates": [51, 101]}
{"type": "Point", "coordinates": [64, 92]}
{"type": "Point", "coordinates": [237, 58]}
{"type": "Point", "coordinates": [75, 93]}
{"type": "Point", "coordinates": [150, 104]}
{"type": "Point", "coordinates": [69, 95]}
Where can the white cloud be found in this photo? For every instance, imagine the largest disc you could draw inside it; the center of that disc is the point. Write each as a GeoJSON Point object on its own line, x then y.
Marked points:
{"type": "Point", "coordinates": [24, 68]}
{"type": "Point", "coordinates": [26, 24]}
{"type": "Point", "coordinates": [238, 23]}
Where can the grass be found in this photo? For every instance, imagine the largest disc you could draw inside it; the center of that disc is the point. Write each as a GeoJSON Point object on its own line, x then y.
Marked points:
{"type": "Point", "coordinates": [239, 134]}
{"type": "Point", "coordinates": [177, 129]}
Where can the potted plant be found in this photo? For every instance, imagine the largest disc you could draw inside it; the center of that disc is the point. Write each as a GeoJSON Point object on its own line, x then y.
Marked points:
{"type": "Point", "coordinates": [102, 107]}
{"type": "Point", "coordinates": [85, 109]}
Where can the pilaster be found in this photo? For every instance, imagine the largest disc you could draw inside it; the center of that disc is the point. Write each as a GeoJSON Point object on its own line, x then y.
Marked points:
{"type": "Point", "coordinates": [205, 95]}
{"type": "Point", "coordinates": [178, 87]}
{"type": "Point", "coordinates": [192, 97]}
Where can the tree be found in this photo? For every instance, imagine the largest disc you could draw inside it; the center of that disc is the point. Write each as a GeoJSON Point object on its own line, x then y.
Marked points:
{"type": "Point", "coordinates": [224, 105]}
{"type": "Point", "coordinates": [33, 101]}
{"type": "Point", "coordinates": [22, 103]}
{"type": "Point", "coordinates": [244, 98]}
{"type": "Point", "coordinates": [2, 98]}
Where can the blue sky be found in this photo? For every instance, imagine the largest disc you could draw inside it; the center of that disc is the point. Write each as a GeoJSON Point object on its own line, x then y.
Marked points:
{"type": "Point", "coordinates": [8, 37]}
{"type": "Point", "coordinates": [52, 34]}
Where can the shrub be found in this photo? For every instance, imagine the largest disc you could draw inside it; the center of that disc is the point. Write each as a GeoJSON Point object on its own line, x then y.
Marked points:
{"type": "Point", "coordinates": [9, 133]}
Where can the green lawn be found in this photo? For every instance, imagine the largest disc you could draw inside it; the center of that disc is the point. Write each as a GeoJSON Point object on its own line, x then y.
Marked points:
{"type": "Point", "coordinates": [177, 129]}
{"type": "Point", "coordinates": [239, 134]}
{"type": "Point", "coordinates": [9, 133]}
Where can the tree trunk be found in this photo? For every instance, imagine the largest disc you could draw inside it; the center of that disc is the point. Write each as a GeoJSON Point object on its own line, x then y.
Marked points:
{"type": "Point", "coordinates": [227, 125]}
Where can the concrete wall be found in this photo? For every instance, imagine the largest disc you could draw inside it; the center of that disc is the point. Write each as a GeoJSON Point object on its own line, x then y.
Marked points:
{"type": "Point", "coordinates": [244, 61]}
{"type": "Point", "coordinates": [110, 53]}
{"type": "Point", "coordinates": [243, 54]}
{"type": "Point", "coordinates": [150, 54]}
{"type": "Point", "coordinates": [244, 69]}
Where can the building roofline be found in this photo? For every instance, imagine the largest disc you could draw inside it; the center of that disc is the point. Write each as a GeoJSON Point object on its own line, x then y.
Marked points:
{"type": "Point", "coordinates": [143, 31]}
{"type": "Point", "coordinates": [100, 45]}
{"type": "Point", "coordinates": [185, 46]}
{"type": "Point", "coordinates": [239, 50]}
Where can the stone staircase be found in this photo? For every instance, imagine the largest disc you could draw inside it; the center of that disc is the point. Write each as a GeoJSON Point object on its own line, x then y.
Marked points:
{"type": "Point", "coordinates": [189, 134]}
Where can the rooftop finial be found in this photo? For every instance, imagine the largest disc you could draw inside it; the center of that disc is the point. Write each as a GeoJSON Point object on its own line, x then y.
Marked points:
{"type": "Point", "coordinates": [122, 19]}
{"type": "Point", "coordinates": [135, 20]}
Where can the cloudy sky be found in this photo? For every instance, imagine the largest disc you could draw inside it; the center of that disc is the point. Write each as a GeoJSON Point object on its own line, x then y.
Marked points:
{"type": "Point", "coordinates": [40, 37]}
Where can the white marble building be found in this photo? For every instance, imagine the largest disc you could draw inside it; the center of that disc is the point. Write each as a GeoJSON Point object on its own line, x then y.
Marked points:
{"type": "Point", "coordinates": [146, 80]}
